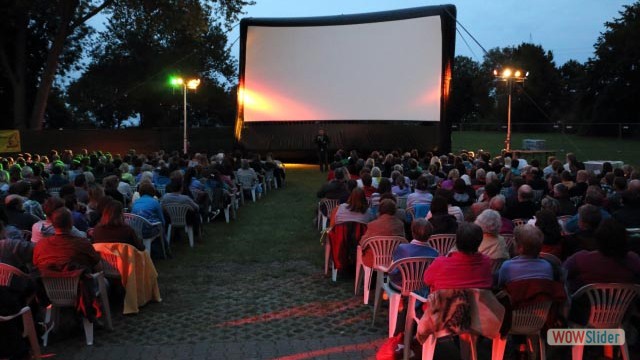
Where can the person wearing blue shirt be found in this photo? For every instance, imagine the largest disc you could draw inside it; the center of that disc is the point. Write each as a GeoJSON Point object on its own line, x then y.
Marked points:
{"type": "Point", "coordinates": [421, 230]}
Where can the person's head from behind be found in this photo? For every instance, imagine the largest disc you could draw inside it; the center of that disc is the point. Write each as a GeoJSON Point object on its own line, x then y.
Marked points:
{"type": "Point", "coordinates": [421, 229]}
{"type": "Point", "coordinates": [71, 202]}
{"type": "Point", "coordinates": [589, 217]}
{"type": "Point", "coordinates": [384, 186]}
{"type": "Point", "coordinates": [14, 202]}
{"type": "Point", "coordinates": [594, 196]}
{"type": "Point", "coordinates": [366, 178]}
{"type": "Point", "coordinates": [422, 183]}
{"type": "Point", "coordinates": [525, 193]}
{"type": "Point", "coordinates": [490, 221]}
{"type": "Point", "coordinates": [497, 203]}
{"type": "Point", "coordinates": [146, 188]}
{"type": "Point", "coordinates": [611, 238]}
{"type": "Point", "coordinates": [528, 240]}
{"type": "Point", "coordinates": [339, 174]}
{"type": "Point", "coordinates": [468, 237]}
{"type": "Point", "coordinates": [80, 181]}
{"type": "Point", "coordinates": [52, 204]}
{"type": "Point", "coordinates": [112, 214]}
{"type": "Point", "coordinates": [439, 206]}
{"type": "Point", "coordinates": [62, 220]}
{"type": "Point", "coordinates": [357, 202]}
{"type": "Point", "coordinates": [387, 207]}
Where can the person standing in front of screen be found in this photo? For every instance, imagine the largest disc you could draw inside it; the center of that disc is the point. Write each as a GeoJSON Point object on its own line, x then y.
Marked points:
{"type": "Point", "coordinates": [322, 141]}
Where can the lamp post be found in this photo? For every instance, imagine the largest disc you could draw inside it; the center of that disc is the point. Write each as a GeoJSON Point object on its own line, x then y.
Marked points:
{"type": "Point", "coordinates": [510, 76]}
{"type": "Point", "coordinates": [191, 84]}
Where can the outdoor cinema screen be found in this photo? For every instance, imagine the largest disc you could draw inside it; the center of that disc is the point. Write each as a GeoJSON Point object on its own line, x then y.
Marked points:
{"type": "Point", "coordinates": [385, 68]}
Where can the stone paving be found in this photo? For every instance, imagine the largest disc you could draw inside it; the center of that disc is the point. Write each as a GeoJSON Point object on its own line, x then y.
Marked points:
{"type": "Point", "coordinates": [238, 311]}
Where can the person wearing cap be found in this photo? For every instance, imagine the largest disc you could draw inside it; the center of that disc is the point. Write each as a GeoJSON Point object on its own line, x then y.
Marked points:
{"type": "Point", "coordinates": [16, 215]}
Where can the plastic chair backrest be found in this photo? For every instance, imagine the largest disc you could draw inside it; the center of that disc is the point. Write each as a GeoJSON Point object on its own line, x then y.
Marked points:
{"type": "Point", "coordinates": [554, 260]}
{"type": "Point", "coordinates": [382, 248]}
{"type": "Point", "coordinates": [412, 270]}
{"type": "Point", "coordinates": [7, 272]}
{"type": "Point", "coordinates": [518, 222]}
{"type": "Point", "coordinates": [508, 240]}
{"type": "Point", "coordinates": [62, 290]}
{"type": "Point", "coordinates": [109, 264]}
{"type": "Point", "coordinates": [177, 213]}
{"type": "Point", "coordinates": [161, 189]}
{"type": "Point", "coordinates": [55, 191]}
{"type": "Point", "coordinates": [402, 202]}
{"type": "Point", "coordinates": [442, 242]}
{"type": "Point", "coordinates": [246, 181]}
{"type": "Point", "coordinates": [137, 223]}
{"type": "Point", "coordinates": [609, 303]}
{"type": "Point", "coordinates": [328, 205]}
{"type": "Point", "coordinates": [530, 319]}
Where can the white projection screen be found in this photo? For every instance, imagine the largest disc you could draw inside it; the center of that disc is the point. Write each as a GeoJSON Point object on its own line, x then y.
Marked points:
{"type": "Point", "coordinates": [390, 68]}
{"type": "Point", "coordinates": [378, 71]}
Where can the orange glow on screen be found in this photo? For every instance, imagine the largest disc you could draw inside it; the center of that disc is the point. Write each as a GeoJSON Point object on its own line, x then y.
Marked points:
{"type": "Point", "coordinates": [264, 104]}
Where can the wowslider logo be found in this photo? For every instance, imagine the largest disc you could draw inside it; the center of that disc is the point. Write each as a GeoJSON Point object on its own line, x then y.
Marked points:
{"type": "Point", "coordinates": [559, 337]}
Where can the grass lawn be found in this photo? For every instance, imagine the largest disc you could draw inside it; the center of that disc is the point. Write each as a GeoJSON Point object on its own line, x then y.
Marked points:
{"type": "Point", "coordinates": [586, 148]}
{"type": "Point", "coordinates": [278, 227]}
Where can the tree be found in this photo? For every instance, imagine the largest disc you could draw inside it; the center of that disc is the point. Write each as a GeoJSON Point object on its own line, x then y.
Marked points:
{"type": "Point", "coordinates": [537, 98]}
{"type": "Point", "coordinates": [613, 75]}
{"type": "Point", "coordinates": [144, 45]}
{"type": "Point", "coordinates": [470, 93]}
{"type": "Point", "coordinates": [573, 76]}
{"type": "Point", "coordinates": [40, 39]}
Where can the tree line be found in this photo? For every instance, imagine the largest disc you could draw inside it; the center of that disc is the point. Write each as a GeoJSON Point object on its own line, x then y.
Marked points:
{"type": "Point", "coordinates": [124, 67]}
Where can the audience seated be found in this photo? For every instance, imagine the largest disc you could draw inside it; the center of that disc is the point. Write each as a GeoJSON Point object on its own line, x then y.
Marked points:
{"type": "Point", "coordinates": [387, 224]}
{"type": "Point", "coordinates": [355, 209]}
{"type": "Point", "coordinates": [15, 213]}
{"type": "Point", "coordinates": [462, 269]}
{"type": "Point", "coordinates": [112, 228]}
{"type": "Point", "coordinates": [174, 196]}
{"type": "Point", "coordinates": [523, 207]}
{"type": "Point", "coordinates": [421, 195]}
{"type": "Point", "coordinates": [335, 189]}
{"type": "Point", "coordinates": [440, 219]}
{"type": "Point", "coordinates": [421, 230]}
{"type": "Point", "coordinates": [528, 241]}
{"type": "Point", "coordinates": [498, 203]}
{"type": "Point", "coordinates": [609, 262]}
{"type": "Point", "coordinates": [492, 244]}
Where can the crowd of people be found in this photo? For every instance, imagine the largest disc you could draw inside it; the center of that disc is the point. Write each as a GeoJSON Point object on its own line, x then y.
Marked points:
{"type": "Point", "coordinates": [569, 226]}
{"type": "Point", "coordinates": [54, 207]}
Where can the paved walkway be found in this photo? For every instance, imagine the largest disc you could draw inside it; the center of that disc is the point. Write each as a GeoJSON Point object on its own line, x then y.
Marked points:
{"type": "Point", "coordinates": [277, 311]}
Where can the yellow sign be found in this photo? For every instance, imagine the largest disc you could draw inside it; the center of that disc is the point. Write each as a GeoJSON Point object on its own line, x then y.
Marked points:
{"type": "Point", "coordinates": [9, 141]}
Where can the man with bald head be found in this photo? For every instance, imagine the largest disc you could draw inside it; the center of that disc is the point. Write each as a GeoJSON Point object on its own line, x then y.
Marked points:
{"type": "Point", "coordinates": [498, 203]}
{"type": "Point", "coordinates": [523, 207]}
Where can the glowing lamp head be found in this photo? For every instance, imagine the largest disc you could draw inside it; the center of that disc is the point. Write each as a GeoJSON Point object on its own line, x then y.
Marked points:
{"type": "Point", "coordinates": [518, 73]}
{"type": "Point", "coordinates": [175, 81]}
{"type": "Point", "coordinates": [506, 73]}
{"type": "Point", "coordinates": [495, 72]}
{"type": "Point", "coordinates": [193, 84]}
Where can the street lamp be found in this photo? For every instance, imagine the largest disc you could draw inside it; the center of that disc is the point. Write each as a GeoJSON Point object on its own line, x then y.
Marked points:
{"type": "Point", "coordinates": [191, 84]}
{"type": "Point", "coordinates": [510, 76]}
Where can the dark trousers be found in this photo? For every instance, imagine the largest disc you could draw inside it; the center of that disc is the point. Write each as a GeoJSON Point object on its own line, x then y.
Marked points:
{"type": "Point", "coordinates": [323, 159]}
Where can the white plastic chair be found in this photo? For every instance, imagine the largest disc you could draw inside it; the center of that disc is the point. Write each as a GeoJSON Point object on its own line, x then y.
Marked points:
{"type": "Point", "coordinates": [138, 224]}
{"type": "Point", "coordinates": [178, 215]}
{"type": "Point", "coordinates": [508, 240]}
{"type": "Point", "coordinates": [29, 329]}
{"type": "Point", "coordinates": [54, 191]}
{"type": "Point", "coordinates": [442, 242]}
{"type": "Point", "coordinates": [247, 182]}
{"type": "Point", "coordinates": [526, 321]}
{"type": "Point", "coordinates": [608, 305]}
{"type": "Point", "coordinates": [7, 272]}
{"type": "Point", "coordinates": [161, 189]}
{"type": "Point", "coordinates": [401, 202]}
{"type": "Point", "coordinates": [382, 248]}
{"type": "Point", "coordinates": [329, 205]}
{"type": "Point", "coordinates": [270, 180]}
{"type": "Point", "coordinates": [467, 340]}
{"type": "Point", "coordinates": [63, 292]}
{"type": "Point", "coordinates": [412, 271]}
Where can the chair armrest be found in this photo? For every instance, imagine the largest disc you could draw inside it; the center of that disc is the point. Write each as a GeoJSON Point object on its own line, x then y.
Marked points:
{"type": "Point", "coordinates": [415, 297]}
{"type": "Point", "coordinates": [384, 269]}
